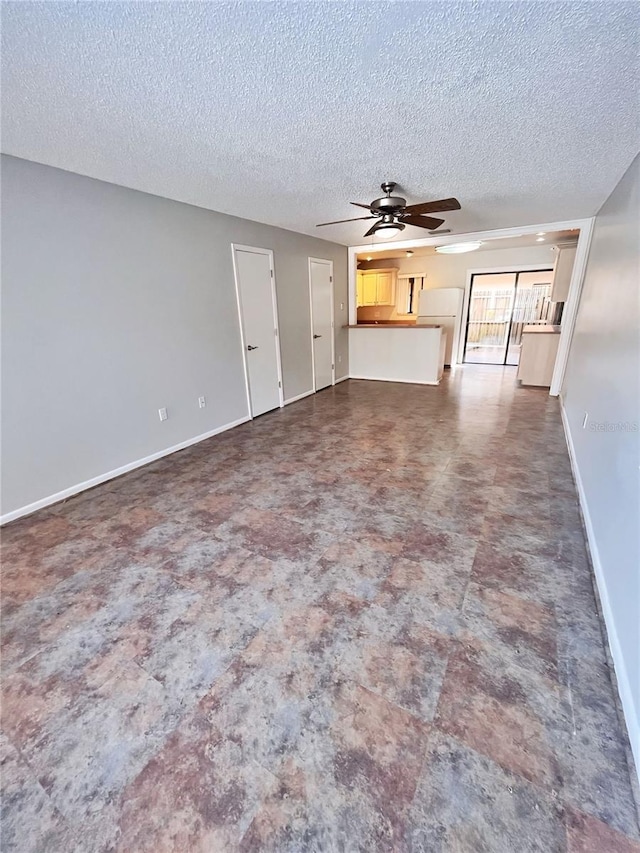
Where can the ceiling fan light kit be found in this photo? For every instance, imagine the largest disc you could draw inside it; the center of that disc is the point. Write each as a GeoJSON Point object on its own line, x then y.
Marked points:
{"type": "Point", "coordinates": [393, 213]}
{"type": "Point", "coordinates": [387, 228]}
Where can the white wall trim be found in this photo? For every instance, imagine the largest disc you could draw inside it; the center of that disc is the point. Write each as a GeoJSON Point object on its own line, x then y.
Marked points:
{"type": "Point", "coordinates": [342, 378]}
{"type": "Point", "coordinates": [110, 475]}
{"type": "Point", "coordinates": [386, 379]}
{"type": "Point", "coordinates": [631, 713]}
{"type": "Point", "coordinates": [299, 397]}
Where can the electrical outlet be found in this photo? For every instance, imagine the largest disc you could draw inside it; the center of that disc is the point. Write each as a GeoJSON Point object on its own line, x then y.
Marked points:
{"type": "Point", "coordinates": [339, 359]}
{"type": "Point", "coordinates": [163, 414]}
{"type": "Point", "coordinates": [202, 402]}
{"type": "Point", "coordinates": [342, 306]}
{"type": "Point", "coordinates": [586, 418]}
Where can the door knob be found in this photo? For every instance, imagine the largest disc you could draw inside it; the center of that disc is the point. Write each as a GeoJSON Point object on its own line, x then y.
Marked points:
{"type": "Point", "coordinates": [249, 347]}
{"type": "Point", "coordinates": [316, 336]}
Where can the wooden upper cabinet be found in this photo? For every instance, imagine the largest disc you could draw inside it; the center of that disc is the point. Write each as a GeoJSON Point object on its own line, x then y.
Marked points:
{"type": "Point", "coordinates": [369, 290]}
{"type": "Point", "coordinates": [385, 289]}
{"type": "Point", "coordinates": [376, 287]}
{"type": "Point", "coordinates": [565, 258]}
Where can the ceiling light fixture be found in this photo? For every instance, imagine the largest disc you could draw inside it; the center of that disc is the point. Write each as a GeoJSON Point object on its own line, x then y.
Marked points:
{"type": "Point", "coordinates": [369, 258]}
{"type": "Point", "coordinates": [409, 253]}
{"type": "Point", "coordinates": [458, 248]}
{"type": "Point", "coordinates": [541, 233]}
{"type": "Point", "coordinates": [389, 227]}
{"type": "Point", "coordinates": [539, 239]}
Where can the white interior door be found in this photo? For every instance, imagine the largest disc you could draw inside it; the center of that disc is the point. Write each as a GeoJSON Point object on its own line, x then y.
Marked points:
{"type": "Point", "coordinates": [259, 322]}
{"type": "Point", "coordinates": [321, 287]}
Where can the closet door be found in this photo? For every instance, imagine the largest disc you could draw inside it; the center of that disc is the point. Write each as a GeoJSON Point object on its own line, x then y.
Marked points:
{"type": "Point", "coordinates": [259, 322]}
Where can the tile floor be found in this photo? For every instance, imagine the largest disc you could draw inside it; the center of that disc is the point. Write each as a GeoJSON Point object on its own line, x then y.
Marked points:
{"type": "Point", "coordinates": [362, 623]}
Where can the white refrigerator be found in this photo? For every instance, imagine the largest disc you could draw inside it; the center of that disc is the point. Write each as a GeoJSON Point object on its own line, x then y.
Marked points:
{"type": "Point", "coordinates": [442, 306]}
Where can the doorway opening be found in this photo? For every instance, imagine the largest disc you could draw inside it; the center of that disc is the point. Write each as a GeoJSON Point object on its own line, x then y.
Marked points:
{"type": "Point", "coordinates": [500, 305]}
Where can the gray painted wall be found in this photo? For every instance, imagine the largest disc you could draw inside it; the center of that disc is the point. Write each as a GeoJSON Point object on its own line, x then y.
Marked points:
{"type": "Point", "coordinates": [603, 380]}
{"type": "Point", "coordinates": [115, 303]}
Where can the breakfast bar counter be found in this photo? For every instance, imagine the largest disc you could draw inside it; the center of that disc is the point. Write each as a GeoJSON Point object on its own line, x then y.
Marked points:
{"type": "Point", "coordinates": [388, 352]}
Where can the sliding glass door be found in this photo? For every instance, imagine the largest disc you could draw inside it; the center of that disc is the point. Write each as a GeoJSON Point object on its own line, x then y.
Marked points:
{"type": "Point", "coordinates": [500, 305]}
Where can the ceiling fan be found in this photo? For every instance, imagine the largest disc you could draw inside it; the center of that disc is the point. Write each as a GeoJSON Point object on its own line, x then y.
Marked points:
{"type": "Point", "coordinates": [393, 213]}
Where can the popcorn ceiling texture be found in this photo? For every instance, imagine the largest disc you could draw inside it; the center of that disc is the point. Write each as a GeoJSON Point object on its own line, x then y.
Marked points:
{"type": "Point", "coordinates": [285, 112]}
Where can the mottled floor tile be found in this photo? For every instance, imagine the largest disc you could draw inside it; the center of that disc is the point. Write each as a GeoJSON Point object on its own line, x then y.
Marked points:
{"type": "Point", "coordinates": [274, 536]}
{"type": "Point", "coordinates": [465, 802]}
{"type": "Point", "coordinates": [524, 631]}
{"type": "Point", "coordinates": [406, 668]}
{"type": "Point", "coordinates": [194, 794]}
{"type": "Point", "coordinates": [513, 716]}
{"type": "Point", "coordinates": [379, 754]}
{"type": "Point", "coordinates": [30, 821]}
{"type": "Point", "coordinates": [593, 757]}
{"type": "Point", "coordinates": [424, 592]}
{"type": "Point", "coordinates": [585, 834]}
{"type": "Point", "coordinates": [353, 567]}
{"type": "Point", "coordinates": [365, 622]}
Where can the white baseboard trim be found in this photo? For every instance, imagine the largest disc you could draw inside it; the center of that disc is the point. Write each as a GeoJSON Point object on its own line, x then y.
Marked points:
{"type": "Point", "coordinates": [342, 378]}
{"type": "Point", "coordinates": [404, 381]}
{"type": "Point", "coordinates": [631, 713]}
{"type": "Point", "coordinates": [110, 475]}
{"type": "Point", "coordinates": [299, 397]}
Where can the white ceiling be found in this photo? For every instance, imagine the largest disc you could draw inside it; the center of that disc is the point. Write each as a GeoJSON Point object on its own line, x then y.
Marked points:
{"type": "Point", "coordinates": [285, 112]}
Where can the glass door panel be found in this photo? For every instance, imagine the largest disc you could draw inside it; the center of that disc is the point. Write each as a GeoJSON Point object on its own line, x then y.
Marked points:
{"type": "Point", "coordinates": [491, 302]}
{"type": "Point", "coordinates": [531, 306]}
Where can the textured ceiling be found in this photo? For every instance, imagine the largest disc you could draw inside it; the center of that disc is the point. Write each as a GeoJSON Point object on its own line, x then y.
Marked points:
{"type": "Point", "coordinates": [285, 112]}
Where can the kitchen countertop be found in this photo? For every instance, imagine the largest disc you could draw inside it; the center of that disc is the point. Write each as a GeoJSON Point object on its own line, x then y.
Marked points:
{"type": "Point", "coordinates": [390, 326]}
{"type": "Point", "coordinates": [541, 330]}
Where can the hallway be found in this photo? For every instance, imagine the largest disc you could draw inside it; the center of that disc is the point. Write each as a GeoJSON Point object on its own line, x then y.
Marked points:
{"type": "Point", "coordinates": [364, 622]}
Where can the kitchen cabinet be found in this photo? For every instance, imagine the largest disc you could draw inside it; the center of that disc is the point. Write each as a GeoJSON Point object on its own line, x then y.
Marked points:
{"type": "Point", "coordinates": [538, 354]}
{"type": "Point", "coordinates": [565, 257]}
{"type": "Point", "coordinates": [376, 287]}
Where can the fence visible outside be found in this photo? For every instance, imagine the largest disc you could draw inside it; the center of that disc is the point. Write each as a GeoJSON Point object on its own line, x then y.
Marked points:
{"type": "Point", "coordinates": [494, 314]}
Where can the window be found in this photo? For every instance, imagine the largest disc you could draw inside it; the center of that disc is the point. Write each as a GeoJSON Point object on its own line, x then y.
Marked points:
{"type": "Point", "coordinates": [409, 286]}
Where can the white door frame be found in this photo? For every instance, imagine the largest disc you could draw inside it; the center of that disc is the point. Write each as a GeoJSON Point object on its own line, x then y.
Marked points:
{"type": "Point", "coordinates": [467, 289]}
{"type": "Point", "coordinates": [333, 334]}
{"type": "Point", "coordinates": [575, 288]}
{"type": "Point", "coordinates": [274, 299]}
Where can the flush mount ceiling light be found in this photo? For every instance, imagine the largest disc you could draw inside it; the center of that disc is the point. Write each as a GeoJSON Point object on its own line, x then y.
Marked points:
{"type": "Point", "coordinates": [409, 253]}
{"type": "Point", "coordinates": [458, 248]}
{"type": "Point", "coordinates": [539, 239]}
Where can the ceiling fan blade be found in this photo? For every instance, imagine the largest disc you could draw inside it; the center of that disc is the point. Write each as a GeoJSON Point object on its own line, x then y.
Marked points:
{"type": "Point", "coordinates": [357, 204]}
{"type": "Point", "coordinates": [371, 230]}
{"type": "Point", "coordinates": [422, 221]}
{"type": "Point", "coordinates": [338, 221]}
{"type": "Point", "coordinates": [433, 206]}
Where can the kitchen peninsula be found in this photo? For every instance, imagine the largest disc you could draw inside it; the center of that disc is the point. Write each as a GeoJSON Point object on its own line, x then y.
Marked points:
{"type": "Point", "coordinates": [396, 352]}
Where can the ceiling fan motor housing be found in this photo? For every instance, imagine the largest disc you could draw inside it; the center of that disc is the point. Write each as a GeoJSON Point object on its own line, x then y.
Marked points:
{"type": "Point", "coordinates": [388, 204]}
